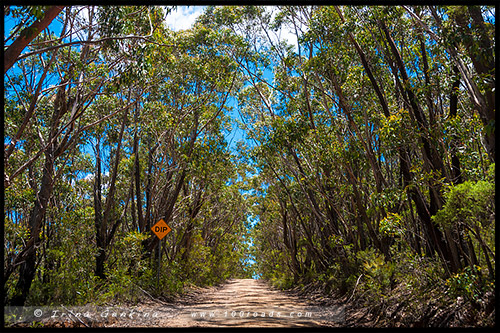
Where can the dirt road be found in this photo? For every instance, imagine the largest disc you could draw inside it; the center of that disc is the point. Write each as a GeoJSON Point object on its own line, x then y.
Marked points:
{"type": "Point", "coordinates": [237, 303]}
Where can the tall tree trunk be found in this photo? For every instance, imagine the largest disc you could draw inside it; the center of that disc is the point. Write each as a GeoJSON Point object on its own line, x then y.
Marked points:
{"type": "Point", "coordinates": [28, 267]}
{"type": "Point", "coordinates": [137, 178]}
{"type": "Point", "coordinates": [149, 190]}
{"type": "Point", "coordinates": [432, 162]}
{"type": "Point", "coordinates": [482, 57]}
{"type": "Point", "coordinates": [103, 218]}
{"type": "Point", "coordinates": [456, 173]}
{"type": "Point", "coordinates": [366, 65]}
{"type": "Point", "coordinates": [137, 173]}
{"type": "Point", "coordinates": [100, 228]}
{"type": "Point", "coordinates": [380, 181]}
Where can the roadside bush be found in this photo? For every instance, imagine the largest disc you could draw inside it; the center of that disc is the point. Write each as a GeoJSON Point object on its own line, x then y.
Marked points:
{"type": "Point", "coordinates": [379, 274]}
{"type": "Point", "coordinates": [470, 207]}
{"type": "Point", "coordinates": [469, 202]}
{"type": "Point", "coordinates": [469, 284]}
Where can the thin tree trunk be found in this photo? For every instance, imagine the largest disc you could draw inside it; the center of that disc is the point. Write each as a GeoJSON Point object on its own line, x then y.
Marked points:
{"type": "Point", "coordinates": [28, 267]}
{"type": "Point", "coordinates": [98, 218]}
{"type": "Point", "coordinates": [366, 65]}
{"type": "Point", "coordinates": [137, 173]}
{"type": "Point", "coordinates": [103, 238]}
{"type": "Point", "coordinates": [456, 173]}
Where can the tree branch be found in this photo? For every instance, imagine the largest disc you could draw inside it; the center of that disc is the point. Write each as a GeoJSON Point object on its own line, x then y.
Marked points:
{"type": "Point", "coordinates": [90, 42]}
{"type": "Point", "coordinates": [11, 55]}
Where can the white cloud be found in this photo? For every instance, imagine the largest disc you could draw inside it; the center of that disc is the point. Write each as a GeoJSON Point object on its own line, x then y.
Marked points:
{"type": "Point", "coordinates": [290, 36]}
{"type": "Point", "coordinates": [183, 17]}
{"type": "Point", "coordinates": [286, 31]}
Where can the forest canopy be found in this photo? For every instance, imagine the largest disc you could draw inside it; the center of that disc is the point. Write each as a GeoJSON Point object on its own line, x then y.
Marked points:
{"type": "Point", "coordinates": [365, 159]}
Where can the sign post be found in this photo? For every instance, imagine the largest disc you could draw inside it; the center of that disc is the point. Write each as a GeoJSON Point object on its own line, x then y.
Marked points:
{"type": "Point", "coordinates": [160, 229]}
{"type": "Point", "coordinates": [158, 270]}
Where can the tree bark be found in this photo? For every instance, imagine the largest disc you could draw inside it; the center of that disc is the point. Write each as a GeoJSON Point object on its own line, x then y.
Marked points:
{"type": "Point", "coordinates": [28, 267]}
{"type": "Point", "coordinates": [366, 65]}
{"type": "Point", "coordinates": [456, 173]}
{"type": "Point", "coordinates": [103, 237]}
{"type": "Point", "coordinates": [481, 54]}
{"type": "Point", "coordinates": [37, 217]}
{"type": "Point", "coordinates": [137, 176]}
{"type": "Point", "coordinates": [27, 35]}
{"type": "Point", "coordinates": [98, 219]}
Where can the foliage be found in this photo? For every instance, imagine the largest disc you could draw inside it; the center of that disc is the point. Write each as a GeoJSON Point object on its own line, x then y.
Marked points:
{"type": "Point", "coordinates": [468, 202]}
{"type": "Point", "coordinates": [367, 163]}
{"type": "Point", "coordinates": [379, 274]}
{"type": "Point", "coordinates": [468, 284]}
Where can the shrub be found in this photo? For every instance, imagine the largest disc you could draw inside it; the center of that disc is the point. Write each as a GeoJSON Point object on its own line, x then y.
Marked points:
{"type": "Point", "coordinates": [469, 284]}
{"type": "Point", "coordinates": [469, 202]}
{"type": "Point", "coordinates": [379, 274]}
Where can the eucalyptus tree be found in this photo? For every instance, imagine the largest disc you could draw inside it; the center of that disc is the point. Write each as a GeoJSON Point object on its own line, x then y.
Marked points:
{"type": "Point", "coordinates": [39, 19]}
{"type": "Point", "coordinates": [353, 128]}
{"type": "Point", "coordinates": [56, 114]}
{"type": "Point", "coordinates": [360, 137]}
{"type": "Point", "coordinates": [61, 97]}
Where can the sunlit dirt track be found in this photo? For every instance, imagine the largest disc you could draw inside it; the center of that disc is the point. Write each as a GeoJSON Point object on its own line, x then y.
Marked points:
{"type": "Point", "coordinates": [238, 303]}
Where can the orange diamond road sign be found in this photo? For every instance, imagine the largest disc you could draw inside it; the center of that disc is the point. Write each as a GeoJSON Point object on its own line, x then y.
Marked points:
{"type": "Point", "coordinates": [161, 229]}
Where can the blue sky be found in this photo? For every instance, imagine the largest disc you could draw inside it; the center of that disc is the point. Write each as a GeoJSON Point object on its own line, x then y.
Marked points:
{"type": "Point", "coordinates": [183, 17]}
